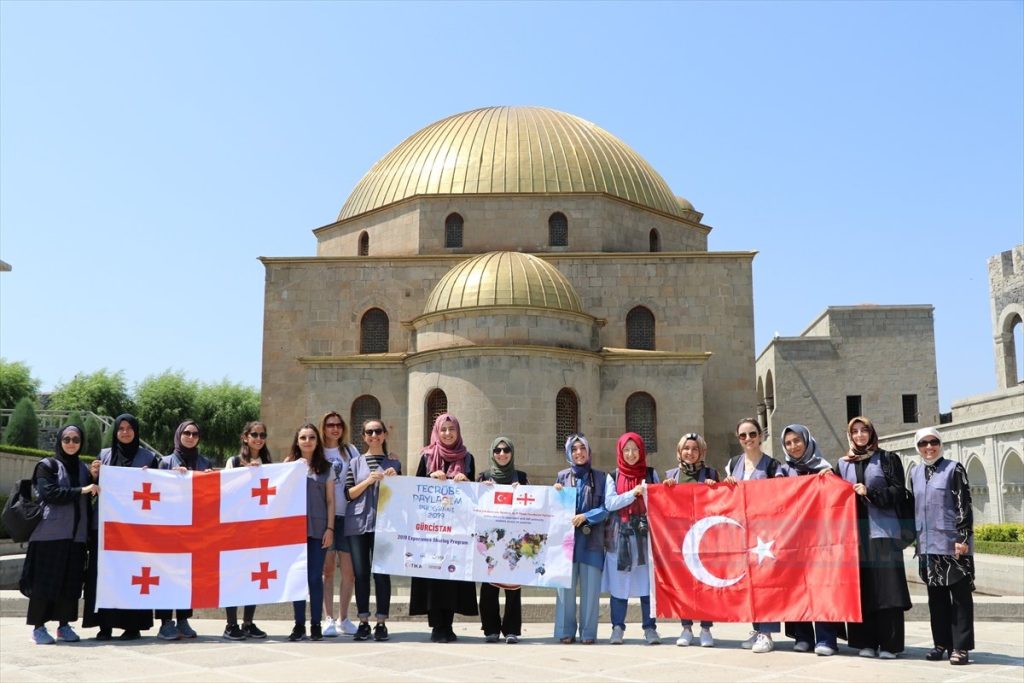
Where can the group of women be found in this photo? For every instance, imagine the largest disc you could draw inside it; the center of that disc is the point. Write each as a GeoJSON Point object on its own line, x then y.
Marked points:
{"type": "Point", "coordinates": [610, 552]}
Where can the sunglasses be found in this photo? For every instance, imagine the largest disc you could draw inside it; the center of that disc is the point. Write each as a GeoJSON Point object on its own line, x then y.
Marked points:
{"type": "Point", "coordinates": [928, 442]}
{"type": "Point", "coordinates": [373, 432]}
{"type": "Point", "coordinates": [191, 434]}
{"type": "Point", "coordinates": [333, 425]}
{"type": "Point", "coordinates": [257, 435]}
{"type": "Point", "coordinates": [499, 449]}
{"type": "Point", "coordinates": [746, 435]}
{"type": "Point", "coordinates": [70, 439]}
{"type": "Point", "coordinates": [307, 438]}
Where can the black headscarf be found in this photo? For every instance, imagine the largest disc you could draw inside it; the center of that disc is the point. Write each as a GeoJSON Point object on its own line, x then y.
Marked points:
{"type": "Point", "coordinates": [70, 461]}
{"type": "Point", "coordinates": [187, 455]}
{"type": "Point", "coordinates": [121, 454]}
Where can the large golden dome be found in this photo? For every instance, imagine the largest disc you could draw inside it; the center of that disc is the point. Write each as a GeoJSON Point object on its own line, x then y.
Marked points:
{"type": "Point", "coordinates": [503, 278]}
{"type": "Point", "coordinates": [508, 150]}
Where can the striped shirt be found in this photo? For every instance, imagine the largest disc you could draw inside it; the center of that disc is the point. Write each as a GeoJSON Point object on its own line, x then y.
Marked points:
{"type": "Point", "coordinates": [373, 461]}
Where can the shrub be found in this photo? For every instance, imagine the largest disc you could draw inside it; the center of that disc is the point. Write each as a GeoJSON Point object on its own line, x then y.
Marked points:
{"type": "Point", "coordinates": [23, 428]}
{"type": "Point", "coordinates": [1000, 533]}
{"type": "Point", "coordinates": [21, 450]}
{"type": "Point", "coordinates": [93, 436]}
{"type": "Point", "coordinates": [997, 548]}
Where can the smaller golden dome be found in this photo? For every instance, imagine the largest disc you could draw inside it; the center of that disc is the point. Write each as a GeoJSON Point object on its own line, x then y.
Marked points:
{"type": "Point", "coordinates": [503, 278]}
{"type": "Point", "coordinates": [684, 203]}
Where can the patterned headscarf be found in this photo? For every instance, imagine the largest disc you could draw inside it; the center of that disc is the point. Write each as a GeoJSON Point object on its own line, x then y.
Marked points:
{"type": "Point", "coordinates": [811, 460]}
{"type": "Point", "coordinates": [857, 453]}
{"type": "Point", "coordinates": [922, 433]}
{"type": "Point", "coordinates": [578, 471]}
{"type": "Point", "coordinates": [438, 454]}
{"type": "Point", "coordinates": [630, 476]}
{"type": "Point", "coordinates": [503, 474]}
{"type": "Point", "coordinates": [702, 449]}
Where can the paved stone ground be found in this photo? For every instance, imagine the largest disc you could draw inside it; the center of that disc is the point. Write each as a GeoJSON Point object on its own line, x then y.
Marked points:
{"type": "Point", "coordinates": [409, 656]}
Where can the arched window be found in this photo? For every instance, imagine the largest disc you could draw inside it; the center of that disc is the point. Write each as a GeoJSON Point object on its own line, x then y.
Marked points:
{"type": "Point", "coordinates": [655, 239]}
{"type": "Point", "coordinates": [363, 408]}
{"type": "Point", "coordinates": [642, 418]}
{"type": "Point", "coordinates": [364, 244]}
{"type": "Point", "coordinates": [437, 404]}
{"type": "Point", "coordinates": [640, 329]}
{"type": "Point", "coordinates": [567, 416]}
{"type": "Point", "coordinates": [558, 230]}
{"type": "Point", "coordinates": [373, 332]}
{"type": "Point", "coordinates": [453, 231]}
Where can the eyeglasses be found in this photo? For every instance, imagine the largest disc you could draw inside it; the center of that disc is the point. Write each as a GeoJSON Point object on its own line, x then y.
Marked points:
{"type": "Point", "coordinates": [746, 435]}
{"type": "Point", "coordinates": [70, 439]}
{"type": "Point", "coordinates": [333, 425]}
{"type": "Point", "coordinates": [373, 432]}
{"type": "Point", "coordinates": [257, 435]}
{"type": "Point", "coordinates": [928, 442]}
{"type": "Point", "coordinates": [190, 434]}
{"type": "Point", "coordinates": [308, 437]}
{"type": "Point", "coordinates": [499, 449]}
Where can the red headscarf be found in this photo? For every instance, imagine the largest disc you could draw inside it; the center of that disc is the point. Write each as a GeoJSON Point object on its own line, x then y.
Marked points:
{"type": "Point", "coordinates": [630, 476]}
{"type": "Point", "coordinates": [438, 454]}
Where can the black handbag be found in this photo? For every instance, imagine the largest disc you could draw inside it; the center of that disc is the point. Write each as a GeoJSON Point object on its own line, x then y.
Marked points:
{"type": "Point", "coordinates": [21, 513]}
{"type": "Point", "coordinates": [904, 504]}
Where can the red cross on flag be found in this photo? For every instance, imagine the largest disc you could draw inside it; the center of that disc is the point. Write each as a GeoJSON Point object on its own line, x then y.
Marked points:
{"type": "Point", "coordinates": [202, 539]}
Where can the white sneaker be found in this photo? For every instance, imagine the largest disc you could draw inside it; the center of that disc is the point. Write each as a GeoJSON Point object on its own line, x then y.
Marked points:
{"type": "Point", "coordinates": [824, 650]}
{"type": "Point", "coordinates": [868, 652]}
{"type": "Point", "coordinates": [617, 634]}
{"type": "Point", "coordinates": [330, 630]}
{"type": "Point", "coordinates": [885, 654]}
{"type": "Point", "coordinates": [347, 627]}
{"type": "Point", "coordinates": [685, 638]}
{"type": "Point", "coordinates": [651, 636]}
{"type": "Point", "coordinates": [763, 644]}
{"type": "Point", "coordinates": [706, 640]}
{"type": "Point", "coordinates": [749, 642]}
{"type": "Point", "coordinates": [802, 646]}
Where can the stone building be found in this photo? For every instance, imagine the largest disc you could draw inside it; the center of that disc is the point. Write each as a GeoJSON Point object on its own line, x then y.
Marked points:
{"type": "Point", "coordinates": [869, 360]}
{"type": "Point", "coordinates": [530, 273]}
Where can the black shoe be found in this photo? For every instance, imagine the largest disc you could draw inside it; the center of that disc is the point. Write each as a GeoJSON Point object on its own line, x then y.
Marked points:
{"type": "Point", "coordinates": [363, 632]}
{"type": "Point", "coordinates": [449, 635]}
{"type": "Point", "coordinates": [104, 634]}
{"type": "Point", "coordinates": [232, 632]}
{"type": "Point", "coordinates": [298, 633]}
{"type": "Point", "coordinates": [253, 631]}
{"type": "Point", "coordinates": [315, 633]}
{"type": "Point", "coordinates": [380, 632]}
{"type": "Point", "coordinates": [130, 635]}
{"type": "Point", "coordinates": [437, 635]}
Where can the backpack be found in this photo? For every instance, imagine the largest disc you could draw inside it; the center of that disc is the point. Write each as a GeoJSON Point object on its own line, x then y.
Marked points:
{"type": "Point", "coordinates": [22, 513]}
{"type": "Point", "coordinates": [904, 504]}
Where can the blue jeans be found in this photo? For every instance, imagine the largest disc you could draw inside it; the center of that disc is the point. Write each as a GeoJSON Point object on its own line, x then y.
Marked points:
{"type": "Point", "coordinates": [588, 579]}
{"type": "Point", "coordinates": [817, 633]}
{"type": "Point", "coordinates": [703, 624]}
{"type": "Point", "coordinates": [767, 627]}
{"type": "Point", "coordinates": [315, 579]}
{"type": "Point", "coordinates": [618, 610]}
{"type": "Point", "coordinates": [361, 547]}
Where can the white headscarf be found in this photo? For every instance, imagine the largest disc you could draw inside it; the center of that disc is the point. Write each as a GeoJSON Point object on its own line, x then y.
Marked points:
{"type": "Point", "coordinates": [922, 433]}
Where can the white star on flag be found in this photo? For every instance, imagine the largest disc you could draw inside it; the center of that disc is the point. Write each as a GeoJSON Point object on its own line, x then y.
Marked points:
{"type": "Point", "coordinates": [763, 550]}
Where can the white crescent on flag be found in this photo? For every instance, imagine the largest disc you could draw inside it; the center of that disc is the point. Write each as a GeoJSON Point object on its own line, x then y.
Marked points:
{"type": "Point", "coordinates": [202, 539]}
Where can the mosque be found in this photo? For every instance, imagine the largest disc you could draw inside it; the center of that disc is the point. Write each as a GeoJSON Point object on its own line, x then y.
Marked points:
{"type": "Point", "coordinates": [528, 272]}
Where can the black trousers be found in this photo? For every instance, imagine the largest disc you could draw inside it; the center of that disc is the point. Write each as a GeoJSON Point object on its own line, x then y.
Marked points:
{"type": "Point", "coordinates": [162, 614]}
{"type": "Point", "coordinates": [441, 618]}
{"type": "Point", "coordinates": [248, 612]}
{"type": "Point", "coordinates": [490, 611]}
{"type": "Point", "coordinates": [952, 615]}
{"type": "Point", "coordinates": [361, 549]}
{"type": "Point", "coordinates": [881, 629]}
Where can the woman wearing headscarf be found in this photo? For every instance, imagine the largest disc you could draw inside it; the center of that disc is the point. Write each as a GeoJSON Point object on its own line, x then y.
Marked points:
{"type": "Point", "coordinates": [51, 576]}
{"type": "Point", "coordinates": [626, 565]}
{"type": "Point", "coordinates": [594, 490]}
{"type": "Point", "coordinates": [691, 454]}
{"type": "Point", "coordinates": [125, 451]}
{"type": "Point", "coordinates": [945, 547]}
{"type": "Point", "coordinates": [503, 471]}
{"type": "Point", "coordinates": [803, 458]}
{"type": "Point", "coordinates": [878, 480]}
{"type": "Point", "coordinates": [444, 458]}
{"type": "Point", "coordinates": [184, 458]}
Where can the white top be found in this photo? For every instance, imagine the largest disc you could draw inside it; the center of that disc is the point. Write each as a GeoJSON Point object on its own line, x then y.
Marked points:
{"type": "Point", "coordinates": [635, 582]}
{"type": "Point", "coordinates": [339, 463]}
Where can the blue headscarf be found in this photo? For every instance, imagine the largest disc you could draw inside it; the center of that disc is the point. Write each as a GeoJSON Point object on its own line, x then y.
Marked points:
{"type": "Point", "coordinates": [811, 460]}
{"type": "Point", "coordinates": [578, 471]}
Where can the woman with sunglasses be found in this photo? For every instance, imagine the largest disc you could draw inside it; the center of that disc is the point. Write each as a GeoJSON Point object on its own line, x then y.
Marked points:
{"type": "Point", "coordinates": [52, 574]}
{"type": "Point", "coordinates": [754, 464]}
{"type": "Point", "coordinates": [878, 480]}
{"type": "Point", "coordinates": [362, 487]}
{"type": "Point", "coordinates": [184, 458]}
{"type": "Point", "coordinates": [125, 451]}
{"type": "Point", "coordinates": [691, 454]}
{"type": "Point", "coordinates": [308, 449]}
{"type": "Point", "coordinates": [253, 452]}
{"type": "Point", "coordinates": [945, 546]}
{"type": "Point", "coordinates": [339, 452]}
{"type": "Point", "coordinates": [503, 471]}
{"type": "Point", "coordinates": [445, 458]}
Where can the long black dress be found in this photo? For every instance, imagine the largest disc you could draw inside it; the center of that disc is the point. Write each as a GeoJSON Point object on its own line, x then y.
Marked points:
{"type": "Point", "coordinates": [440, 599]}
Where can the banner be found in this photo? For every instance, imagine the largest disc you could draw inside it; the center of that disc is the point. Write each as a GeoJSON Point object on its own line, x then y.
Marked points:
{"type": "Point", "coordinates": [475, 532]}
{"type": "Point", "coordinates": [763, 550]}
{"type": "Point", "coordinates": [169, 540]}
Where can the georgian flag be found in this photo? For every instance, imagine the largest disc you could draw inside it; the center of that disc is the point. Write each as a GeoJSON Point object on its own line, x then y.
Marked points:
{"type": "Point", "coordinates": [202, 539]}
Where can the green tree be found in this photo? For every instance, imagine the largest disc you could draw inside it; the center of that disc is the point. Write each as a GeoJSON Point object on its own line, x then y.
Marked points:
{"type": "Point", "coordinates": [222, 410]}
{"type": "Point", "coordinates": [16, 382]}
{"type": "Point", "coordinates": [102, 392]}
{"type": "Point", "coordinates": [23, 428]}
{"type": "Point", "coordinates": [163, 401]}
{"type": "Point", "coordinates": [93, 436]}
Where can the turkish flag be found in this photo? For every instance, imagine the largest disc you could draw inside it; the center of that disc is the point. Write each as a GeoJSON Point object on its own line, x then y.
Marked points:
{"type": "Point", "coordinates": [780, 549]}
{"type": "Point", "coordinates": [502, 497]}
{"type": "Point", "coordinates": [202, 539]}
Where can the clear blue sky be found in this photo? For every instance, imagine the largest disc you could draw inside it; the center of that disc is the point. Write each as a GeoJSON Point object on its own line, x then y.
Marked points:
{"type": "Point", "coordinates": [150, 152]}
